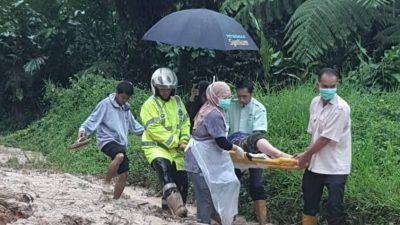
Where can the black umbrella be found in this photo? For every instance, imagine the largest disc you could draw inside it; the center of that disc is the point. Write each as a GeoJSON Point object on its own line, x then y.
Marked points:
{"type": "Point", "coordinates": [201, 28]}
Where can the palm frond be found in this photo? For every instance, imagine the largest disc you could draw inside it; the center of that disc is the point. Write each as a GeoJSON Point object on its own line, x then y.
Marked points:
{"type": "Point", "coordinates": [33, 65]}
{"type": "Point", "coordinates": [390, 35]}
{"type": "Point", "coordinates": [266, 10]}
{"type": "Point", "coordinates": [320, 25]}
{"type": "Point", "coordinates": [374, 3]}
{"type": "Point", "coordinates": [389, 19]}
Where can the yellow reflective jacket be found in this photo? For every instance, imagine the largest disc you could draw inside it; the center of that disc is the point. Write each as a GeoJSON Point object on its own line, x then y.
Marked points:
{"type": "Point", "coordinates": [166, 124]}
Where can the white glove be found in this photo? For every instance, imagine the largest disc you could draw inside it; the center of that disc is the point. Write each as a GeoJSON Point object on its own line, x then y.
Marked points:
{"type": "Point", "coordinates": [258, 156]}
{"type": "Point", "coordinates": [240, 153]}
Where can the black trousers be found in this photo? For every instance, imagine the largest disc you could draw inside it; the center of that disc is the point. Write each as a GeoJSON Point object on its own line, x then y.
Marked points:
{"type": "Point", "coordinates": [256, 183]}
{"type": "Point", "coordinates": [256, 180]}
{"type": "Point", "coordinates": [167, 174]}
{"type": "Point", "coordinates": [313, 186]}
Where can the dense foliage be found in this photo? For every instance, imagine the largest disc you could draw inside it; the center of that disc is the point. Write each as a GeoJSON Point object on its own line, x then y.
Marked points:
{"type": "Point", "coordinates": [43, 41]}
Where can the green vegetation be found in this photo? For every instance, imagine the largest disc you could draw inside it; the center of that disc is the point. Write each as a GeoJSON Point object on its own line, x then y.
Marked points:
{"type": "Point", "coordinates": [59, 58]}
{"type": "Point", "coordinates": [372, 192]}
{"type": "Point", "coordinates": [42, 41]}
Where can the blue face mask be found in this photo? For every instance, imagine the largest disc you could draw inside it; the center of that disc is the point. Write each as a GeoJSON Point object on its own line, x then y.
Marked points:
{"type": "Point", "coordinates": [224, 104]}
{"type": "Point", "coordinates": [327, 93]}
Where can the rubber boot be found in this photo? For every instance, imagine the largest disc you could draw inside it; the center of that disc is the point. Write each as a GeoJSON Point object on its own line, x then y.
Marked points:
{"type": "Point", "coordinates": [261, 211]}
{"type": "Point", "coordinates": [175, 204]}
{"type": "Point", "coordinates": [309, 220]}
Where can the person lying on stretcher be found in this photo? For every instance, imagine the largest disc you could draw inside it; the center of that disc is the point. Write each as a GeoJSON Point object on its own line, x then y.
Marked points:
{"type": "Point", "coordinates": [256, 146]}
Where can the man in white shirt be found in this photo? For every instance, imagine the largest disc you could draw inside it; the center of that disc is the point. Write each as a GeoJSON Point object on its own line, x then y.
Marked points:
{"type": "Point", "coordinates": [328, 158]}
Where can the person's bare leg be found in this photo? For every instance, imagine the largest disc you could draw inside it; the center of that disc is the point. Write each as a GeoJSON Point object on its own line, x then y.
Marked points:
{"type": "Point", "coordinates": [113, 167]}
{"type": "Point", "coordinates": [265, 147]}
{"type": "Point", "coordinates": [120, 185]}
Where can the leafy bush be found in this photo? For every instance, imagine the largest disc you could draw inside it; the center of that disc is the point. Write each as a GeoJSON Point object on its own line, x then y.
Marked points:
{"type": "Point", "coordinates": [382, 75]}
{"type": "Point", "coordinates": [42, 40]}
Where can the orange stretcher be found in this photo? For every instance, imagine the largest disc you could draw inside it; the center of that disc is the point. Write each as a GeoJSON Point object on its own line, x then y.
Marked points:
{"type": "Point", "coordinates": [263, 162]}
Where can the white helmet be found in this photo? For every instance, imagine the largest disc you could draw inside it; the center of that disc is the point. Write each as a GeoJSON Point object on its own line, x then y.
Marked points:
{"type": "Point", "coordinates": [163, 78]}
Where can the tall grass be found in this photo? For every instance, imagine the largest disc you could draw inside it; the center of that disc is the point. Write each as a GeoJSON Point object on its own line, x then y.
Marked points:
{"type": "Point", "coordinates": [372, 192]}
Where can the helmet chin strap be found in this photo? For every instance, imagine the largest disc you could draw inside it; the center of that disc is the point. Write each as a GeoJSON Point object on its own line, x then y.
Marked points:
{"type": "Point", "coordinates": [165, 99]}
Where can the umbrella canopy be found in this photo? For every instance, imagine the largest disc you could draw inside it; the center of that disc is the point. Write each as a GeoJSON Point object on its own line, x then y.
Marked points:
{"type": "Point", "coordinates": [201, 28]}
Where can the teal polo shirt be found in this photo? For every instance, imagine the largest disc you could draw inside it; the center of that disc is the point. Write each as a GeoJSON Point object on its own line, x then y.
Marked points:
{"type": "Point", "coordinates": [251, 117]}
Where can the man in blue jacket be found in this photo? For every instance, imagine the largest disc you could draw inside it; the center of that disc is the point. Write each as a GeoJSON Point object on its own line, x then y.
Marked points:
{"type": "Point", "coordinates": [112, 119]}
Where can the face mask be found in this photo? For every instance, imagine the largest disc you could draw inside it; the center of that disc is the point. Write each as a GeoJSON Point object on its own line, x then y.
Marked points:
{"type": "Point", "coordinates": [224, 104]}
{"type": "Point", "coordinates": [327, 93]}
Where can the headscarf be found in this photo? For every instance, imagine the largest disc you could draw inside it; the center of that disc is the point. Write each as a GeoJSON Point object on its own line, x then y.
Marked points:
{"type": "Point", "coordinates": [215, 92]}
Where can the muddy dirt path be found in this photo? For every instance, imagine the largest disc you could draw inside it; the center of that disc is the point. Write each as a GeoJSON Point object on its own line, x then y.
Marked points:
{"type": "Point", "coordinates": [40, 197]}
